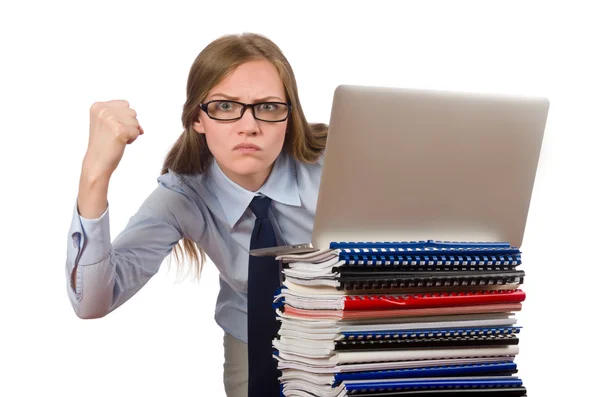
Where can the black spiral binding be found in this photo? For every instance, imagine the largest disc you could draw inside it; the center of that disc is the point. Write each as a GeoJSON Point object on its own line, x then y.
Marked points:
{"type": "Point", "coordinates": [423, 343]}
{"type": "Point", "coordinates": [432, 333]}
{"type": "Point", "coordinates": [398, 280]}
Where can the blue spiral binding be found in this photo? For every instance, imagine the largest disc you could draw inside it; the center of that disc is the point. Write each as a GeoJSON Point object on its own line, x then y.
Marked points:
{"type": "Point", "coordinates": [351, 257]}
{"type": "Point", "coordinates": [278, 302]}
{"type": "Point", "coordinates": [457, 383]}
{"type": "Point", "coordinates": [426, 372]}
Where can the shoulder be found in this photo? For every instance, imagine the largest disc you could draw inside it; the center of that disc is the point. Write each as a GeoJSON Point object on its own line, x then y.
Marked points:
{"type": "Point", "coordinates": [175, 197]}
{"type": "Point", "coordinates": [173, 181]}
{"type": "Point", "coordinates": [308, 174]}
{"type": "Point", "coordinates": [309, 167]}
{"type": "Point", "coordinates": [170, 197]}
{"type": "Point", "coordinates": [188, 185]}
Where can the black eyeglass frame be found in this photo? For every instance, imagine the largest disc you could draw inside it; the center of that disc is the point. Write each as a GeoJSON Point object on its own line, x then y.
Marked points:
{"type": "Point", "coordinates": [204, 106]}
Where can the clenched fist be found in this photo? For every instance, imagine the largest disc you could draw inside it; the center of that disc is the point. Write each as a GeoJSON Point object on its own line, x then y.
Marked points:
{"type": "Point", "coordinates": [113, 125]}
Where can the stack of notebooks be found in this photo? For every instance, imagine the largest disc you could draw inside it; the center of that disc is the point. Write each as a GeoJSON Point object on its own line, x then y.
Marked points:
{"type": "Point", "coordinates": [422, 318]}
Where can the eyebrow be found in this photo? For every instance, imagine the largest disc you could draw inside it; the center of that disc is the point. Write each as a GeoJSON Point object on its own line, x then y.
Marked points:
{"type": "Point", "coordinates": [233, 98]}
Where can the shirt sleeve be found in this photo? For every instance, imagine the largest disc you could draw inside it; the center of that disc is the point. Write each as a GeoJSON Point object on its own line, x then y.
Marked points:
{"type": "Point", "coordinates": [108, 274]}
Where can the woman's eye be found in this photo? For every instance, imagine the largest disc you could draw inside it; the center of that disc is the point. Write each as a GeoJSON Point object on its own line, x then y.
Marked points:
{"type": "Point", "coordinates": [268, 107]}
{"type": "Point", "coordinates": [225, 106]}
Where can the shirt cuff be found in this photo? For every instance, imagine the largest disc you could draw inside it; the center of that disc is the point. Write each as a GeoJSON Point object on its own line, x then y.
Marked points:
{"type": "Point", "coordinates": [90, 238]}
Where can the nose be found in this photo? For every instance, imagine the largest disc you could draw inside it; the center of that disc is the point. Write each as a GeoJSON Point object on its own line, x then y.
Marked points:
{"type": "Point", "coordinates": [248, 124]}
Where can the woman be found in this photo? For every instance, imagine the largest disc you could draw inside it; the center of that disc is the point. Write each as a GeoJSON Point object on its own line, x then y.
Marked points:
{"type": "Point", "coordinates": [246, 145]}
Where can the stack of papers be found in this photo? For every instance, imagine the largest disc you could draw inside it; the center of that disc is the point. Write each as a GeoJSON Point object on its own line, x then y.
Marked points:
{"type": "Point", "coordinates": [409, 318]}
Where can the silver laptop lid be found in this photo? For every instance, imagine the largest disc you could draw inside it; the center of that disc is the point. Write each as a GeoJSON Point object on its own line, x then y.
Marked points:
{"type": "Point", "coordinates": [405, 165]}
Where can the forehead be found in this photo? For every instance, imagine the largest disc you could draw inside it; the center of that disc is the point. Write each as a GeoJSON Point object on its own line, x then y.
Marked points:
{"type": "Point", "coordinates": [250, 80]}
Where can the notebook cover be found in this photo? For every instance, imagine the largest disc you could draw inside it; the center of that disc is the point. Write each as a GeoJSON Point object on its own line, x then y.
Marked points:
{"type": "Point", "coordinates": [488, 392]}
{"type": "Point", "coordinates": [432, 383]}
{"type": "Point", "coordinates": [330, 366]}
{"type": "Point", "coordinates": [495, 368]}
{"type": "Point", "coordinates": [426, 354]}
{"type": "Point", "coordinates": [372, 314]}
{"type": "Point", "coordinates": [381, 302]}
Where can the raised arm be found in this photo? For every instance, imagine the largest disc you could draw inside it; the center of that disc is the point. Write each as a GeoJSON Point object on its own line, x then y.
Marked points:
{"type": "Point", "coordinates": [102, 275]}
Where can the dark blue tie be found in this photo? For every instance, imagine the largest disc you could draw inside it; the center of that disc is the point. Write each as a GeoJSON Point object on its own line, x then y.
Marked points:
{"type": "Point", "coordinates": [263, 282]}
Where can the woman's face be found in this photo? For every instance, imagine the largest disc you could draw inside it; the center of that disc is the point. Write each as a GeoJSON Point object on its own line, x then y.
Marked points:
{"type": "Point", "coordinates": [251, 82]}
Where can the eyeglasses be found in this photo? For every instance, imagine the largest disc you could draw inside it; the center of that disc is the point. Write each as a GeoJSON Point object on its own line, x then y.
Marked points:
{"type": "Point", "coordinates": [271, 112]}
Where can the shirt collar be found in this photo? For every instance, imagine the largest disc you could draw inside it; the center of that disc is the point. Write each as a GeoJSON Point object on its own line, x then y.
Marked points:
{"type": "Point", "coordinates": [280, 186]}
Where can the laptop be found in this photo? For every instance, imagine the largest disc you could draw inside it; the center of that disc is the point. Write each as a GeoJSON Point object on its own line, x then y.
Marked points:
{"type": "Point", "coordinates": [412, 165]}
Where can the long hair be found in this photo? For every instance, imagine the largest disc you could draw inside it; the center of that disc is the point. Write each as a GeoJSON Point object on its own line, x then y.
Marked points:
{"type": "Point", "coordinates": [190, 154]}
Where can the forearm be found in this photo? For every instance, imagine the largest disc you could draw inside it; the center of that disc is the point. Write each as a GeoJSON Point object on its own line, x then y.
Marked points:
{"type": "Point", "coordinates": [92, 197]}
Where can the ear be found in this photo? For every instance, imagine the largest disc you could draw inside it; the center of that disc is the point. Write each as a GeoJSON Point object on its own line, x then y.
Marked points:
{"type": "Point", "coordinates": [198, 126]}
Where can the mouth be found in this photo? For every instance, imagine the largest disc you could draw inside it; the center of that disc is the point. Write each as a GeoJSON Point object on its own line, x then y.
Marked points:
{"type": "Point", "coordinates": [247, 148]}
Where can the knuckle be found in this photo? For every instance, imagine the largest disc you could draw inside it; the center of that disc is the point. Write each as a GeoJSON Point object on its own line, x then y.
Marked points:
{"type": "Point", "coordinates": [104, 113]}
{"type": "Point", "coordinates": [96, 107]}
{"type": "Point", "coordinates": [121, 130]}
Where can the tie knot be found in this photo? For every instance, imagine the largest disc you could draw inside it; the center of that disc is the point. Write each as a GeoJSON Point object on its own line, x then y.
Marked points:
{"type": "Point", "coordinates": [260, 206]}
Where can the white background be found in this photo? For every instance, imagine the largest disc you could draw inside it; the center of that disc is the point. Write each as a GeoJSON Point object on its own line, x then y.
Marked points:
{"type": "Point", "coordinates": [57, 58]}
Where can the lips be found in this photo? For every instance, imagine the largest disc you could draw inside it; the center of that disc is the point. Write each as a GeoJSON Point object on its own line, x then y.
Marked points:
{"type": "Point", "coordinates": [246, 146]}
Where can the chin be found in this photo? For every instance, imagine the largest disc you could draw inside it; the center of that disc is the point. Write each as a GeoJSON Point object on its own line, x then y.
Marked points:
{"type": "Point", "coordinates": [249, 166]}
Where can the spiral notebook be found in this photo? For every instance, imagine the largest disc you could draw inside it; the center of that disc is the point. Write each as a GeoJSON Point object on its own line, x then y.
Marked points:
{"type": "Point", "coordinates": [459, 337]}
{"type": "Point", "coordinates": [396, 301]}
{"type": "Point", "coordinates": [324, 314]}
{"type": "Point", "coordinates": [455, 386]}
{"type": "Point", "coordinates": [333, 329]}
{"type": "Point", "coordinates": [397, 265]}
{"type": "Point", "coordinates": [368, 388]}
{"type": "Point", "coordinates": [325, 356]}
{"type": "Point", "coordinates": [483, 369]}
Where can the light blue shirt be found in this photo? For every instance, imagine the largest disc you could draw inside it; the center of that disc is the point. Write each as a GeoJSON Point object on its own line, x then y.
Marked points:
{"type": "Point", "coordinates": [207, 208]}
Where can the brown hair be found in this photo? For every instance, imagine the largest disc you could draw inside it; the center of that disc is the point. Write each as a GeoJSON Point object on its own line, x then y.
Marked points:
{"type": "Point", "coordinates": [190, 153]}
